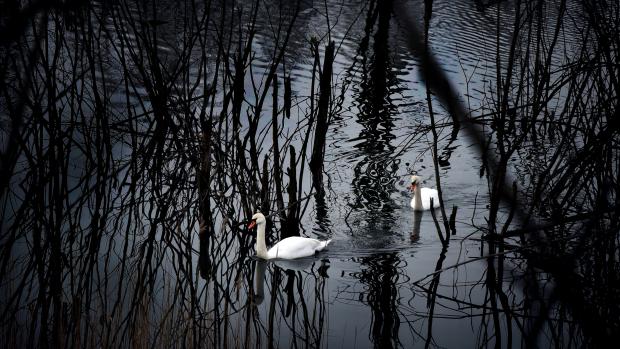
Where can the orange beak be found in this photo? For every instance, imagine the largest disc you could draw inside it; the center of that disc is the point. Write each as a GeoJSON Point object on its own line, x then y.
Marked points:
{"type": "Point", "coordinates": [413, 186]}
{"type": "Point", "coordinates": [252, 224]}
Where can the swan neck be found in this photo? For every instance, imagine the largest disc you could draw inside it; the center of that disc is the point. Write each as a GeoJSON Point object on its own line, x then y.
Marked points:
{"type": "Point", "coordinates": [261, 247]}
{"type": "Point", "coordinates": [418, 197]}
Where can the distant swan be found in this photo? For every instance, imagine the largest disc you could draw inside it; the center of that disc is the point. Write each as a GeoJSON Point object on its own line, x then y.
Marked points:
{"type": "Point", "coordinates": [289, 248]}
{"type": "Point", "coordinates": [422, 196]}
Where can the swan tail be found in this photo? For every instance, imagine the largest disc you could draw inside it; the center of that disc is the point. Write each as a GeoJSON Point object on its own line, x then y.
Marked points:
{"type": "Point", "coordinates": [325, 243]}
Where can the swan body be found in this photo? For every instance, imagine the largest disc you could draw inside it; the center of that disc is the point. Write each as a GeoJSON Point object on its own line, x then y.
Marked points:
{"type": "Point", "coordinates": [290, 248]}
{"type": "Point", "coordinates": [422, 196]}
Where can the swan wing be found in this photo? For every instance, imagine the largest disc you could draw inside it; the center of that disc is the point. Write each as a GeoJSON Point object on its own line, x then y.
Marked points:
{"type": "Point", "coordinates": [296, 247]}
{"type": "Point", "coordinates": [427, 194]}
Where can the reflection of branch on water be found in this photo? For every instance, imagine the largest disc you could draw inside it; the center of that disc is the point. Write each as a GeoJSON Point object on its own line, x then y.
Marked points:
{"type": "Point", "coordinates": [133, 144]}
{"type": "Point", "coordinates": [536, 108]}
{"type": "Point", "coordinates": [305, 319]}
{"type": "Point", "coordinates": [381, 276]}
{"type": "Point", "coordinates": [130, 172]}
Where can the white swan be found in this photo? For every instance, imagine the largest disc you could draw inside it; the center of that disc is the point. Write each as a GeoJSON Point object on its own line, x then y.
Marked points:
{"type": "Point", "coordinates": [422, 196]}
{"type": "Point", "coordinates": [289, 248]}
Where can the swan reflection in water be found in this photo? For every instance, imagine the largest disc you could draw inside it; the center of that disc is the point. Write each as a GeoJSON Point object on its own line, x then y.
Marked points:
{"type": "Point", "coordinates": [300, 264]}
{"type": "Point", "coordinates": [296, 300]}
{"type": "Point", "coordinates": [417, 220]}
{"type": "Point", "coordinates": [259, 281]}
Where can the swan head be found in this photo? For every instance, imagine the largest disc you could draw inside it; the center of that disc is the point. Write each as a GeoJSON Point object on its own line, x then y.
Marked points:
{"type": "Point", "coordinates": [257, 218]}
{"type": "Point", "coordinates": [415, 181]}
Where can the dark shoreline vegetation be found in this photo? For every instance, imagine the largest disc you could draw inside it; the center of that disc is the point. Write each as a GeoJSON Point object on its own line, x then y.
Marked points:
{"type": "Point", "coordinates": [138, 137]}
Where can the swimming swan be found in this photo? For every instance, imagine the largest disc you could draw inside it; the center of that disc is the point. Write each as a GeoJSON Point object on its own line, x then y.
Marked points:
{"type": "Point", "coordinates": [289, 248]}
{"type": "Point", "coordinates": [422, 196]}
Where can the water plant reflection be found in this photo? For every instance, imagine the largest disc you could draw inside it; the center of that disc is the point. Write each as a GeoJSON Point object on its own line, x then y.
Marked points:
{"type": "Point", "coordinates": [138, 136]}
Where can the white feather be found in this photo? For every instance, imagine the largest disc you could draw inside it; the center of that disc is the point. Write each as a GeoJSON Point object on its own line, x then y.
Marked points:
{"type": "Point", "coordinates": [289, 248]}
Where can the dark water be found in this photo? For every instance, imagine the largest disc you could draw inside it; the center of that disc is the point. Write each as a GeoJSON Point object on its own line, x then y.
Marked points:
{"type": "Point", "coordinates": [105, 239]}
